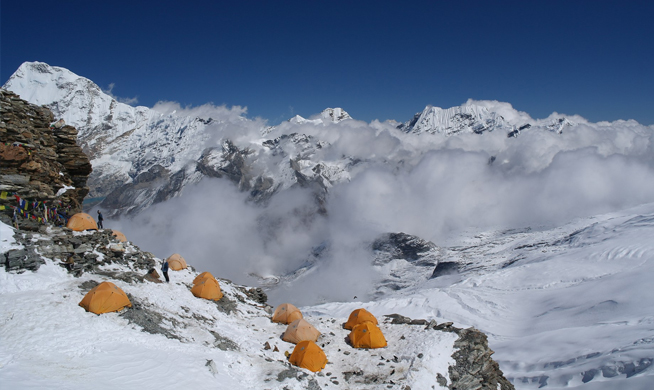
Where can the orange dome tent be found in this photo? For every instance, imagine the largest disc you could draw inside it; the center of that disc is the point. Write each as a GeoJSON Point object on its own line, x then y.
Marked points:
{"type": "Point", "coordinates": [367, 335]}
{"type": "Point", "coordinates": [208, 289]}
{"type": "Point", "coordinates": [176, 262]}
{"type": "Point", "coordinates": [202, 276]}
{"type": "Point", "coordinates": [106, 297]}
{"type": "Point", "coordinates": [358, 316]}
{"type": "Point", "coordinates": [82, 221]}
{"type": "Point", "coordinates": [309, 355]}
{"type": "Point", "coordinates": [119, 236]}
{"type": "Point", "coordinates": [286, 313]}
{"type": "Point", "coordinates": [300, 330]}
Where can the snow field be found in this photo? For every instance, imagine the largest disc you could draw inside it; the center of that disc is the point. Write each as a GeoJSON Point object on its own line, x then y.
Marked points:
{"type": "Point", "coordinates": [48, 341]}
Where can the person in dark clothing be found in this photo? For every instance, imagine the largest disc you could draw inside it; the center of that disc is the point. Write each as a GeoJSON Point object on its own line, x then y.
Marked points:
{"type": "Point", "coordinates": [100, 219]}
{"type": "Point", "coordinates": [164, 269]}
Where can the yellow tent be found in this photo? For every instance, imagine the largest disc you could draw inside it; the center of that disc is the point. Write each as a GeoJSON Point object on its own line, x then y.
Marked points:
{"type": "Point", "coordinates": [176, 262]}
{"type": "Point", "coordinates": [207, 289]}
{"type": "Point", "coordinates": [309, 355]}
{"type": "Point", "coordinates": [367, 335]}
{"type": "Point", "coordinates": [300, 330]}
{"type": "Point", "coordinates": [82, 221]}
{"type": "Point", "coordinates": [202, 276]}
{"type": "Point", "coordinates": [286, 313]}
{"type": "Point", "coordinates": [105, 298]}
{"type": "Point", "coordinates": [358, 316]}
{"type": "Point", "coordinates": [119, 236]}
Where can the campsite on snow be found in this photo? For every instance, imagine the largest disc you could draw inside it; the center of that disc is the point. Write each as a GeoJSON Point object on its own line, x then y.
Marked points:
{"type": "Point", "coordinates": [449, 252]}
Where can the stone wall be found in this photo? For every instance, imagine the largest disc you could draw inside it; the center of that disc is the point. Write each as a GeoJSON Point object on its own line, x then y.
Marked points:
{"type": "Point", "coordinates": [37, 160]}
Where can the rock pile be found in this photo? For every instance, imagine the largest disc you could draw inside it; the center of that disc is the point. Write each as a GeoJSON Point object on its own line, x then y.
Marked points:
{"type": "Point", "coordinates": [78, 253]}
{"type": "Point", "coordinates": [39, 162]}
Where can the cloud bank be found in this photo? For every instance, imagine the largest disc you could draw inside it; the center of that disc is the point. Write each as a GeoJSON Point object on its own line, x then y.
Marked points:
{"type": "Point", "coordinates": [432, 186]}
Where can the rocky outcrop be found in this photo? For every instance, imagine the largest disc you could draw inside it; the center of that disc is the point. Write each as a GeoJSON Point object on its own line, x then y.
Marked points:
{"type": "Point", "coordinates": [39, 163]}
{"type": "Point", "coordinates": [474, 368]}
{"type": "Point", "coordinates": [403, 246]}
{"type": "Point", "coordinates": [78, 253]}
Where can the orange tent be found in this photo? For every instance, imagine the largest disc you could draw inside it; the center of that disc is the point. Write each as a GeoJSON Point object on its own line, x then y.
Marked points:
{"type": "Point", "coordinates": [367, 335]}
{"type": "Point", "coordinates": [300, 330]}
{"type": "Point", "coordinates": [207, 289]}
{"type": "Point", "coordinates": [309, 355]}
{"type": "Point", "coordinates": [202, 276]}
{"type": "Point", "coordinates": [176, 262]}
{"type": "Point", "coordinates": [105, 298]}
{"type": "Point", "coordinates": [82, 221]}
{"type": "Point", "coordinates": [120, 236]}
{"type": "Point", "coordinates": [286, 313]}
{"type": "Point", "coordinates": [358, 316]}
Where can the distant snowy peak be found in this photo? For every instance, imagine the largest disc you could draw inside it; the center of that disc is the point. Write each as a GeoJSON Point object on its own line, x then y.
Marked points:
{"type": "Point", "coordinates": [479, 117]}
{"type": "Point", "coordinates": [462, 119]}
{"type": "Point", "coordinates": [329, 115]}
{"type": "Point", "coordinates": [335, 115]}
{"type": "Point", "coordinates": [79, 101]}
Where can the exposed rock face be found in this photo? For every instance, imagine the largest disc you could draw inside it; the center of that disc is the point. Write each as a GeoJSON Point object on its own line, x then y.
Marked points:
{"type": "Point", "coordinates": [475, 369]}
{"type": "Point", "coordinates": [403, 246]}
{"type": "Point", "coordinates": [413, 258]}
{"type": "Point", "coordinates": [38, 161]}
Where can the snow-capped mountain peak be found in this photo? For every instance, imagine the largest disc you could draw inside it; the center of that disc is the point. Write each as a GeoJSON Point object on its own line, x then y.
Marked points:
{"type": "Point", "coordinates": [466, 118]}
{"type": "Point", "coordinates": [328, 115]}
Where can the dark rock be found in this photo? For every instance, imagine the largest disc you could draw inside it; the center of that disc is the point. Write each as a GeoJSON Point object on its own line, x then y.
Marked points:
{"type": "Point", "coordinates": [443, 326]}
{"type": "Point", "coordinates": [88, 286]}
{"type": "Point", "coordinates": [22, 259]}
{"type": "Point", "coordinates": [589, 375]}
{"type": "Point", "coordinates": [403, 246]}
{"type": "Point", "coordinates": [257, 294]}
{"type": "Point", "coordinates": [223, 343]}
{"type": "Point", "coordinates": [288, 374]}
{"type": "Point", "coordinates": [225, 304]}
{"type": "Point", "coordinates": [445, 268]}
{"type": "Point", "coordinates": [398, 319]}
{"type": "Point", "coordinates": [441, 380]}
{"type": "Point", "coordinates": [149, 320]}
{"type": "Point", "coordinates": [609, 372]}
{"type": "Point", "coordinates": [474, 368]}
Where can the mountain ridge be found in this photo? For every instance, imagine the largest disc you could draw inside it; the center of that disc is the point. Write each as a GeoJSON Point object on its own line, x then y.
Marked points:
{"type": "Point", "coordinates": [124, 143]}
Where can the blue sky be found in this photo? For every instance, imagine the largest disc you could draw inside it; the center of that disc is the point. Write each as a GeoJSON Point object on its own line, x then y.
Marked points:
{"type": "Point", "coordinates": [376, 59]}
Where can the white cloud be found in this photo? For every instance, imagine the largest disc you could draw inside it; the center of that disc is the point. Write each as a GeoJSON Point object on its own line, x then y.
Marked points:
{"type": "Point", "coordinates": [431, 186]}
{"type": "Point", "coordinates": [130, 101]}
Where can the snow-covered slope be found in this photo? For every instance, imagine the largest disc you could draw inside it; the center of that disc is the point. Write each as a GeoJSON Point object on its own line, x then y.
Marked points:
{"type": "Point", "coordinates": [564, 308]}
{"type": "Point", "coordinates": [171, 339]}
{"type": "Point", "coordinates": [568, 307]}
